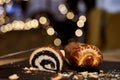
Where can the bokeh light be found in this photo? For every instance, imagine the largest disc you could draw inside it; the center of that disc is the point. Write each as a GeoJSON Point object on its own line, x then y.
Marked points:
{"type": "Point", "coordinates": [18, 25]}
{"type": "Point", "coordinates": [2, 29]}
{"type": "Point", "coordinates": [34, 23]}
{"type": "Point", "coordinates": [78, 32]}
{"type": "Point", "coordinates": [50, 31]}
{"type": "Point", "coordinates": [80, 23]}
{"type": "Point", "coordinates": [70, 15]}
{"type": "Point", "coordinates": [9, 27]}
{"type": "Point", "coordinates": [63, 9]}
{"type": "Point", "coordinates": [43, 20]}
{"type": "Point", "coordinates": [83, 18]}
{"type": "Point", "coordinates": [57, 42]}
{"type": "Point", "coordinates": [27, 25]}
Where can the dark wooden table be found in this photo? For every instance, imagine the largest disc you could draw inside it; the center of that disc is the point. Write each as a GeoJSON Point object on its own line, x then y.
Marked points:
{"type": "Point", "coordinates": [15, 65]}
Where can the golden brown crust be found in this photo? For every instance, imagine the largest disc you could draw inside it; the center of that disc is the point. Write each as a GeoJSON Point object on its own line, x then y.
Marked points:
{"type": "Point", "coordinates": [70, 47]}
{"type": "Point", "coordinates": [52, 47]}
{"type": "Point", "coordinates": [84, 55]}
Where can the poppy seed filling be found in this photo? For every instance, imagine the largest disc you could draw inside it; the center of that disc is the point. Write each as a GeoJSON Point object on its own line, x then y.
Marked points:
{"type": "Point", "coordinates": [46, 61]}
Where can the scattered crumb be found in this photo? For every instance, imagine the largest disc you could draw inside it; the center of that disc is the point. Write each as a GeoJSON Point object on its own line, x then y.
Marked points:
{"type": "Point", "coordinates": [67, 74]}
{"type": "Point", "coordinates": [93, 75]}
{"type": "Point", "coordinates": [78, 77]}
{"type": "Point", "coordinates": [28, 71]}
{"type": "Point", "coordinates": [57, 76]}
{"type": "Point", "coordinates": [13, 77]}
{"type": "Point", "coordinates": [75, 76]}
{"type": "Point", "coordinates": [33, 69]}
{"type": "Point", "coordinates": [85, 73]}
{"type": "Point", "coordinates": [25, 68]}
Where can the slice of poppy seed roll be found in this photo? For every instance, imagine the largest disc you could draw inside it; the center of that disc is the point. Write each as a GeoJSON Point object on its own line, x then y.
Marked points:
{"type": "Point", "coordinates": [47, 59]}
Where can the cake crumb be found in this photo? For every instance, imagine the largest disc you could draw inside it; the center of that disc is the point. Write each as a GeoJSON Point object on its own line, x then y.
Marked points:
{"type": "Point", "coordinates": [93, 75]}
{"type": "Point", "coordinates": [78, 77]}
{"type": "Point", "coordinates": [13, 77]}
{"type": "Point", "coordinates": [57, 76]}
{"type": "Point", "coordinates": [67, 74]}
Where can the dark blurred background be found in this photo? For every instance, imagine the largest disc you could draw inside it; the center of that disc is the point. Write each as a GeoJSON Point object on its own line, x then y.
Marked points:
{"type": "Point", "coordinates": [102, 27]}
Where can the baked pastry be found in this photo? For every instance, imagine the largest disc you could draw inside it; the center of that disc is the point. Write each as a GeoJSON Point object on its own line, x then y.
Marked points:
{"type": "Point", "coordinates": [47, 59]}
{"type": "Point", "coordinates": [83, 55]}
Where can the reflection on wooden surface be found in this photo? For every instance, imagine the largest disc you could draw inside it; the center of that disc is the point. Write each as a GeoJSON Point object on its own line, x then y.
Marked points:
{"type": "Point", "coordinates": [112, 55]}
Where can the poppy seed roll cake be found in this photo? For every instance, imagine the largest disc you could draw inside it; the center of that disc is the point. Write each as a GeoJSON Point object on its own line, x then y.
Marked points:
{"type": "Point", "coordinates": [47, 59]}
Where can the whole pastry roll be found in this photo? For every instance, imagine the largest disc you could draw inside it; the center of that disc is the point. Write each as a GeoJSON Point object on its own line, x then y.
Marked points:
{"type": "Point", "coordinates": [47, 59]}
{"type": "Point", "coordinates": [83, 55]}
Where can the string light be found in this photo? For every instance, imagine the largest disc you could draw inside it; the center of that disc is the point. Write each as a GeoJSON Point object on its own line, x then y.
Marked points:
{"type": "Point", "coordinates": [9, 27]}
{"type": "Point", "coordinates": [2, 15]}
{"type": "Point", "coordinates": [27, 25]}
{"type": "Point", "coordinates": [83, 18]}
{"type": "Point", "coordinates": [34, 23]}
{"type": "Point", "coordinates": [20, 25]}
{"type": "Point", "coordinates": [63, 9]}
{"type": "Point", "coordinates": [46, 23]}
{"type": "Point", "coordinates": [78, 32]}
{"type": "Point", "coordinates": [43, 20]}
{"type": "Point", "coordinates": [2, 29]}
{"type": "Point", "coordinates": [50, 31]}
{"type": "Point", "coordinates": [17, 25]}
{"type": "Point", "coordinates": [2, 11]}
{"type": "Point", "coordinates": [70, 15]}
{"type": "Point", "coordinates": [57, 42]}
{"type": "Point", "coordinates": [80, 23]}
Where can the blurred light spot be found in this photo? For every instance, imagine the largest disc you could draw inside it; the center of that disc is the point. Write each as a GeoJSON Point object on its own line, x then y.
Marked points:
{"type": "Point", "coordinates": [43, 20]}
{"type": "Point", "coordinates": [80, 23]}
{"type": "Point", "coordinates": [34, 23]}
{"type": "Point", "coordinates": [50, 31]}
{"type": "Point", "coordinates": [78, 32]}
{"type": "Point", "coordinates": [57, 42]}
{"type": "Point", "coordinates": [70, 15]}
{"type": "Point", "coordinates": [6, 28]}
{"type": "Point", "coordinates": [83, 18]}
{"type": "Point", "coordinates": [27, 25]}
{"type": "Point", "coordinates": [21, 25]}
{"type": "Point", "coordinates": [62, 8]}
{"type": "Point", "coordinates": [18, 25]}
{"type": "Point", "coordinates": [9, 27]}
{"type": "Point", "coordinates": [2, 29]}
